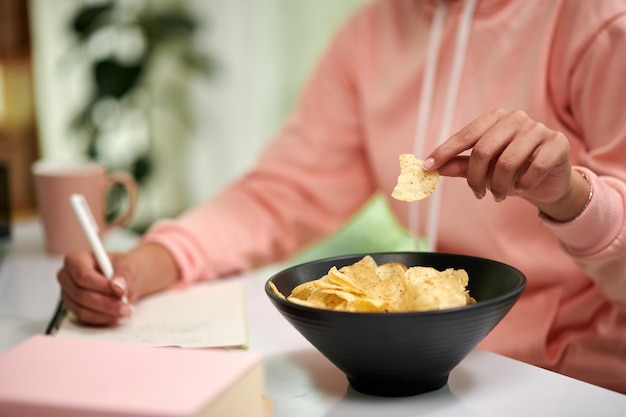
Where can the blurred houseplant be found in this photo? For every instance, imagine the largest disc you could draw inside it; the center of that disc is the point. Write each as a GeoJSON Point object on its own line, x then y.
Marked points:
{"type": "Point", "coordinates": [140, 55]}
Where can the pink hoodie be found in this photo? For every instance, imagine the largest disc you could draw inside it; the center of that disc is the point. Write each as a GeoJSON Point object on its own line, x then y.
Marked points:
{"type": "Point", "coordinates": [563, 62]}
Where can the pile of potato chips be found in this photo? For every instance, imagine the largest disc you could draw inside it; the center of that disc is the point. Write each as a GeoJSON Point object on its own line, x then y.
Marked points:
{"type": "Point", "coordinates": [392, 287]}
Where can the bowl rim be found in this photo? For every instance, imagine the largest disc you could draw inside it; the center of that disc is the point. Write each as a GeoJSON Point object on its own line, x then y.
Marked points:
{"type": "Point", "coordinates": [512, 295]}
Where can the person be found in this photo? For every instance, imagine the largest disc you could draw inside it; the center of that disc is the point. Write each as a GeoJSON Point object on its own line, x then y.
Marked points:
{"type": "Point", "coordinates": [520, 106]}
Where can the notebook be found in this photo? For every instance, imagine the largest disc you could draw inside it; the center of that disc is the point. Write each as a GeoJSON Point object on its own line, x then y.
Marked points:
{"type": "Point", "coordinates": [54, 377]}
{"type": "Point", "coordinates": [207, 314]}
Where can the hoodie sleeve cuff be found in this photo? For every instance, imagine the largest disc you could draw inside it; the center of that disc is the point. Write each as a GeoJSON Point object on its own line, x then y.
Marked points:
{"type": "Point", "coordinates": [597, 225]}
{"type": "Point", "coordinates": [190, 261]}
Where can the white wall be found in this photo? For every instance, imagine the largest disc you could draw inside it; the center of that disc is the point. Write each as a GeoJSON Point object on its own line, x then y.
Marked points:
{"type": "Point", "coordinates": [266, 50]}
{"type": "Point", "coordinates": [60, 81]}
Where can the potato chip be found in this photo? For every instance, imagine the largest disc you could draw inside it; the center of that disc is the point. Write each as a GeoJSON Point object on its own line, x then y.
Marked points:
{"type": "Point", "coordinates": [393, 284]}
{"type": "Point", "coordinates": [392, 287]}
{"type": "Point", "coordinates": [342, 281]}
{"type": "Point", "coordinates": [431, 289]}
{"type": "Point", "coordinates": [414, 183]}
{"type": "Point", "coordinates": [276, 291]}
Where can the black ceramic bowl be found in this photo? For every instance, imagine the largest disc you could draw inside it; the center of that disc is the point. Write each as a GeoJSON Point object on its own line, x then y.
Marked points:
{"type": "Point", "coordinates": [401, 354]}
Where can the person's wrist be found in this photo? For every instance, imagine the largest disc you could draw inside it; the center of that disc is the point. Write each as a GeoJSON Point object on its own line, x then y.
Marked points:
{"type": "Point", "coordinates": [157, 269]}
{"type": "Point", "coordinates": [573, 204]}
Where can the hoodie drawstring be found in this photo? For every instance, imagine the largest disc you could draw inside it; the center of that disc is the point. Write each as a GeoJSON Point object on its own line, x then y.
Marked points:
{"type": "Point", "coordinates": [425, 105]}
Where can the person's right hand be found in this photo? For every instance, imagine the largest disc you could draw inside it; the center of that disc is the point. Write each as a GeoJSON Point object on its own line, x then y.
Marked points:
{"type": "Point", "coordinates": [97, 301]}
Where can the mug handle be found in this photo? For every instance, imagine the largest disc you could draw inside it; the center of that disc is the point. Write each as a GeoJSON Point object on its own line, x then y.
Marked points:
{"type": "Point", "coordinates": [127, 181]}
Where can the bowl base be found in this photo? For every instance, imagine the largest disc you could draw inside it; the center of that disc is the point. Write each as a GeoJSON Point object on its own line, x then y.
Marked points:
{"type": "Point", "coordinates": [382, 388]}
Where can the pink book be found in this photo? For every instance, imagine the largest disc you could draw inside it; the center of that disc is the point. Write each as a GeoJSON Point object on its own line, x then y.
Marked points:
{"type": "Point", "coordinates": [62, 377]}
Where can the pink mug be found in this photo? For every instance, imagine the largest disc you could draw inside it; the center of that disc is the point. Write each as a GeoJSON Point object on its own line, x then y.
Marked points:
{"type": "Point", "coordinates": [55, 182]}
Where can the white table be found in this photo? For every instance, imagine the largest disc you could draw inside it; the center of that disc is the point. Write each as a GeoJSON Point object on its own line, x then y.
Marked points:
{"type": "Point", "coordinates": [300, 381]}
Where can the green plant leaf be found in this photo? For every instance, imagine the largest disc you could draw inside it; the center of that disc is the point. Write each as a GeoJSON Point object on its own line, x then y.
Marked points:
{"type": "Point", "coordinates": [142, 168]}
{"type": "Point", "coordinates": [160, 27]}
{"type": "Point", "coordinates": [115, 79]}
{"type": "Point", "coordinates": [89, 18]}
{"type": "Point", "coordinates": [205, 65]}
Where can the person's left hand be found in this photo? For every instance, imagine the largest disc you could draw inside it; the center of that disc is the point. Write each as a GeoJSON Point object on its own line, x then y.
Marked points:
{"type": "Point", "coordinates": [514, 155]}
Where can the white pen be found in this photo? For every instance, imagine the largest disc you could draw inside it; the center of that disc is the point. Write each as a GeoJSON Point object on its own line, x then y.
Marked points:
{"type": "Point", "coordinates": [90, 228]}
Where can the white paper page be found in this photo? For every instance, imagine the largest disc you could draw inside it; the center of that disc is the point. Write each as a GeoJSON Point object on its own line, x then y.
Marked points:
{"type": "Point", "coordinates": [209, 314]}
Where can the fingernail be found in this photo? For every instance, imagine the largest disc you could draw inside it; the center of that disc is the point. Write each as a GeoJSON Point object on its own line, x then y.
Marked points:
{"type": "Point", "coordinates": [127, 310]}
{"type": "Point", "coordinates": [478, 195]}
{"type": "Point", "coordinates": [428, 163]}
{"type": "Point", "coordinates": [120, 283]}
{"type": "Point", "coordinates": [497, 198]}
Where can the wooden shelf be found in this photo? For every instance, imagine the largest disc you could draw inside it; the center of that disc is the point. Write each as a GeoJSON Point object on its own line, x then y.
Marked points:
{"type": "Point", "coordinates": [18, 128]}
